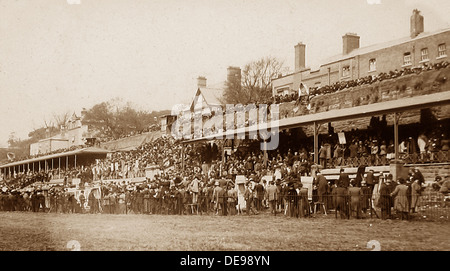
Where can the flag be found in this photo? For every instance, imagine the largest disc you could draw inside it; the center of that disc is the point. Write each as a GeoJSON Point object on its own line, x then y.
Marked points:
{"type": "Point", "coordinates": [11, 156]}
{"type": "Point", "coordinates": [303, 90]}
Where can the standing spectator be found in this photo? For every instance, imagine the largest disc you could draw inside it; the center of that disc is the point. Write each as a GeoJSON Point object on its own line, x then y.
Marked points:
{"type": "Point", "coordinates": [322, 188]}
{"type": "Point", "coordinates": [400, 195]}
{"type": "Point", "coordinates": [323, 156]}
{"type": "Point", "coordinates": [353, 148]}
{"type": "Point", "coordinates": [259, 189]}
{"type": "Point", "coordinates": [374, 149]}
{"type": "Point", "coordinates": [218, 195]}
{"type": "Point", "coordinates": [194, 189]}
{"type": "Point", "coordinates": [292, 200]}
{"type": "Point", "coordinates": [340, 200]}
{"type": "Point", "coordinates": [366, 198]}
{"type": "Point", "coordinates": [403, 147]}
{"type": "Point", "coordinates": [146, 201]}
{"type": "Point", "coordinates": [71, 203]}
{"type": "Point", "coordinates": [356, 195]}
{"type": "Point", "coordinates": [383, 152]}
{"type": "Point", "coordinates": [92, 201]}
{"type": "Point", "coordinates": [248, 196]}
{"type": "Point", "coordinates": [338, 155]}
{"type": "Point", "coordinates": [106, 207]}
{"type": "Point", "coordinates": [121, 199]}
{"type": "Point", "coordinates": [415, 195]}
{"type": "Point", "coordinates": [422, 141]}
{"type": "Point", "coordinates": [232, 200]}
{"type": "Point", "coordinates": [82, 199]}
{"type": "Point", "coordinates": [384, 201]}
{"type": "Point", "coordinates": [303, 203]}
{"type": "Point", "coordinates": [390, 151]}
{"type": "Point", "coordinates": [113, 203]}
{"type": "Point", "coordinates": [344, 180]}
{"type": "Point", "coordinates": [272, 196]}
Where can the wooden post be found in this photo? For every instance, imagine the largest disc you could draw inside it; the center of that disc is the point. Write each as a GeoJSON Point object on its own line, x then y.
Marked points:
{"type": "Point", "coordinates": [396, 119]}
{"type": "Point", "coordinates": [182, 158]}
{"type": "Point", "coordinates": [316, 143]}
{"type": "Point", "coordinates": [265, 154]}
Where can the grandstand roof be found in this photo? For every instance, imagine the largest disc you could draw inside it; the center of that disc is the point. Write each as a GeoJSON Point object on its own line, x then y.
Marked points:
{"type": "Point", "coordinates": [85, 151]}
{"type": "Point", "coordinates": [381, 108]}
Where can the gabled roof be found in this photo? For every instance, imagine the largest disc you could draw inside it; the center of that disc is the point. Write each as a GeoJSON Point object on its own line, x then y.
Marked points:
{"type": "Point", "coordinates": [213, 94]}
{"type": "Point", "coordinates": [208, 97]}
{"type": "Point", "coordinates": [379, 46]}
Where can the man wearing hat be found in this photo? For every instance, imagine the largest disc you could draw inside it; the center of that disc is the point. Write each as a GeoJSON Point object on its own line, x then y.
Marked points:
{"type": "Point", "coordinates": [193, 187]}
{"type": "Point", "coordinates": [248, 196]}
{"type": "Point", "coordinates": [272, 193]}
{"type": "Point", "coordinates": [385, 201]}
{"type": "Point", "coordinates": [344, 180]}
{"type": "Point", "coordinates": [218, 195]}
{"type": "Point", "coordinates": [322, 186]}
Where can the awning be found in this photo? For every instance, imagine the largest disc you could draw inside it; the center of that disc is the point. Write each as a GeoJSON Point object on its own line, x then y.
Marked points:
{"type": "Point", "coordinates": [84, 151]}
{"type": "Point", "coordinates": [381, 108]}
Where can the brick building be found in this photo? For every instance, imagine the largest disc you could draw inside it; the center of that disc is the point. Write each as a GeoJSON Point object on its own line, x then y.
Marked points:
{"type": "Point", "coordinates": [355, 62]}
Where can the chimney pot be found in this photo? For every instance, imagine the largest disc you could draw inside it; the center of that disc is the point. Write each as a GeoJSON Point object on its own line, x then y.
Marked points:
{"type": "Point", "coordinates": [201, 82]}
{"type": "Point", "coordinates": [350, 42]}
{"type": "Point", "coordinates": [416, 26]}
{"type": "Point", "coordinates": [300, 56]}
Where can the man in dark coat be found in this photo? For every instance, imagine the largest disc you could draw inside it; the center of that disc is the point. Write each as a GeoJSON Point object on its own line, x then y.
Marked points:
{"type": "Point", "coordinates": [385, 201]}
{"type": "Point", "coordinates": [322, 186]}
{"type": "Point", "coordinates": [292, 200]}
{"type": "Point", "coordinates": [340, 196]}
{"type": "Point", "coordinates": [272, 192]}
{"type": "Point", "coordinates": [344, 180]}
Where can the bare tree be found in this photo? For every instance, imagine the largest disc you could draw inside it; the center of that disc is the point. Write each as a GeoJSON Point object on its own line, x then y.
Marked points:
{"type": "Point", "coordinates": [256, 83]}
{"type": "Point", "coordinates": [61, 119]}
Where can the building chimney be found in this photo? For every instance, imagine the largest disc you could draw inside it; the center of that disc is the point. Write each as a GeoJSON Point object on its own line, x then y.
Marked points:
{"type": "Point", "coordinates": [350, 42]}
{"type": "Point", "coordinates": [234, 75]}
{"type": "Point", "coordinates": [416, 23]}
{"type": "Point", "coordinates": [300, 58]}
{"type": "Point", "coordinates": [201, 82]}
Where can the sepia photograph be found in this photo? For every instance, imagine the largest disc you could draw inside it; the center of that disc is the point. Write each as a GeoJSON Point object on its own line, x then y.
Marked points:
{"type": "Point", "coordinates": [224, 131]}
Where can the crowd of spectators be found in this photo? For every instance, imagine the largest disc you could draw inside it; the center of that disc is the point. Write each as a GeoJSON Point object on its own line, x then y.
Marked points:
{"type": "Point", "coordinates": [200, 188]}
{"type": "Point", "coordinates": [367, 80]}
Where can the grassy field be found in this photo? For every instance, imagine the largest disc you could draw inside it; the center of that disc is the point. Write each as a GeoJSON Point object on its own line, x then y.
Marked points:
{"type": "Point", "coordinates": [101, 232]}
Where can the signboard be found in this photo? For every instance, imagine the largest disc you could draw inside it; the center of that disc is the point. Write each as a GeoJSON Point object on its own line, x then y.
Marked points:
{"type": "Point", "coordinates": [307, 182]}
{"type": "Point", "coordinates": [341, 137]}
{"type": "Point", "coordinates": [240, 179]}
{"type": "Point", "coordinates": [240, 188]}
{"type": "Point", "coordinates": [151, 171]}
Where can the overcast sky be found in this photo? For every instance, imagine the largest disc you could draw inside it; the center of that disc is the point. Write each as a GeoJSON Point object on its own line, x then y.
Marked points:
{"type": "Point", "coordinates": [57, 57]}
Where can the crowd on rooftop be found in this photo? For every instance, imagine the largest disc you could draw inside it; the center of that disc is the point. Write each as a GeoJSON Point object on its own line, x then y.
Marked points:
{"type": "Point", "coordinates": [367, 80]}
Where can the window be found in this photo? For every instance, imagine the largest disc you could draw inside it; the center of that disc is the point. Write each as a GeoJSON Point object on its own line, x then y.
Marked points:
{"type": "Point", "coordinates": [424, 54]}
{"type": "Point", "coordinates": [441, 50]}
{"type": "Point", "coordinates": [372, 65]}
{"type": "Point", "coordinates": [346, 71]}
{"type": "Point", "coordinates": [407, 58]}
